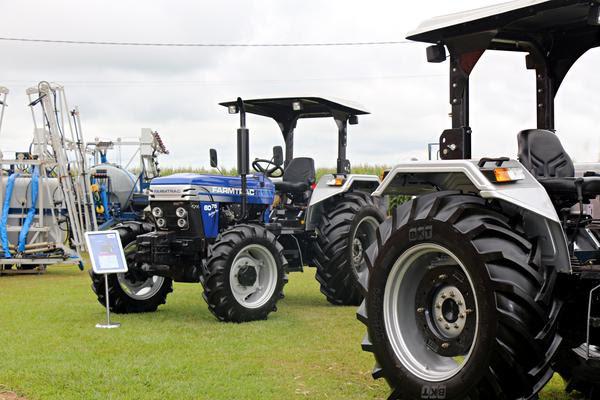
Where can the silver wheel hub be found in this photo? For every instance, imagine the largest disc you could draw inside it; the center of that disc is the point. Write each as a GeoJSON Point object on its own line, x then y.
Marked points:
{"type": "Point", "coordinates": [253, 276]}
{"type": "Point", "coordinates": [140, 289]}
{"type": "Point", "coordinates": [138, 286]}
{"type": "Point", "coordinates": [449, 311]}
{"type": "Point", "coordinates": [363, 235]}
{"type": "Point", "coordinates": [357, 251]}
{"type": "Point", "coordinates": [437, 350]}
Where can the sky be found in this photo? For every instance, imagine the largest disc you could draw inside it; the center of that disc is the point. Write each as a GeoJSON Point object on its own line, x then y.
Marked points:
{"type": "Point", "coordinates": [176, 91]}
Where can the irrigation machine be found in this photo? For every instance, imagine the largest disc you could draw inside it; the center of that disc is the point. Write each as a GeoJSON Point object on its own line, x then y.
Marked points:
{"type": "Point", "coordinates": [50, 195]}
{"type": "Point", "coordinates": [488, 280]}
{"type": "Point", "coordinates": [240, 236]}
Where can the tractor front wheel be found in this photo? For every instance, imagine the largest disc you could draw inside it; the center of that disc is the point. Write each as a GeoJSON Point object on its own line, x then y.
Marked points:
{"type": "Point", "coordinates": [244, 274]}
{"type": "Point", "coordinates": [133, 291]}
{"type": "Point", "coordinates": [457, 305]}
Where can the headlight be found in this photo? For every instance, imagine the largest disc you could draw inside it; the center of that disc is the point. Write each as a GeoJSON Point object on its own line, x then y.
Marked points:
{"type": "Point", "coordinates": [157, 212]}
{"type": "Point", "coordinates": [161, 222]}
{"type": "Point", "coordinates": [181, 212]}
{"type": "Point", "coordinates": [182, 223]}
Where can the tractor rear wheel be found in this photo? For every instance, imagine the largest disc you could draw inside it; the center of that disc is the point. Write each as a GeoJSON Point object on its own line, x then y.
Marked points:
{"type": "Point", "coordinates": [346, 230]}
{"type": "Point", "coordinates": [457, 305]}
{"type": "Point", "coordinates": [133, 291]}
{"type": "Point", "coordinates": [579, 373]}
{"type": "Point", "coordinates": [244, 274]}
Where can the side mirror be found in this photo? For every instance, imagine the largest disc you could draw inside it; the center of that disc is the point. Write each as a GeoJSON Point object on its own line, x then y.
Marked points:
{"type": "Point", "coordinates": [214, 161]}
{"type": "Point", "coordinates": [278, 156]}
{"type": "Point", "coordinates": [436, 53]}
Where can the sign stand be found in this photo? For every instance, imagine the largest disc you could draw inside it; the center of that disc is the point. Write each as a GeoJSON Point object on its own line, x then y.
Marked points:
{"type": "Point", "coordinates": [107, 256]}
{"type": "Point", "coordinates": [108, 325]}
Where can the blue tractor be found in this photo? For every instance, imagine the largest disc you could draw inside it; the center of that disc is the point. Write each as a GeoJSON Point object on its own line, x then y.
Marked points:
{"type": "Point", "coordinates": [240, 236]}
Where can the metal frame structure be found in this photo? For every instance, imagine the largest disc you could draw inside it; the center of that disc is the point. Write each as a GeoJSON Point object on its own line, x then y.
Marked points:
{"type": "Point", "coordinates": [57, 152]}
{"type": "Point", "coordinates": [148, 146]}
{"type": "Point", "coordinates": [287, 111]}
{"type": "Point", "coordinates": [549, 32]}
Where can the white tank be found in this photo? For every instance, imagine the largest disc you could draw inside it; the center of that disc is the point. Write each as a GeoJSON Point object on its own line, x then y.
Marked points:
{"type": "Point", "coordinates": [122, 182]}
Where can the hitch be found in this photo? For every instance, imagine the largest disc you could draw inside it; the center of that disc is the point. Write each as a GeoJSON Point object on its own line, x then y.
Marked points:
{"type": "Point", "coordinates": [593, 322]}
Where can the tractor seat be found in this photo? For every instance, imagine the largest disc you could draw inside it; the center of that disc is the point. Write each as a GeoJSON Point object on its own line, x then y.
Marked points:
{"type": "Point", "coordinates": [541, 152]}
{"type": "Point", "coordinates": [298, 176]}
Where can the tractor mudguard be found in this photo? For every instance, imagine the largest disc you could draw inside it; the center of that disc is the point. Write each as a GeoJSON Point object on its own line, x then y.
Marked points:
{"type": "Point", "coordinates": [324, 191]}
{"type": "Point", "coordinates": [527, 196]}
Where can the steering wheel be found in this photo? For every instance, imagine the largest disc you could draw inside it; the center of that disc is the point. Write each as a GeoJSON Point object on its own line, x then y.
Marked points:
{"type": "Point", "coordinates": [267, 167]}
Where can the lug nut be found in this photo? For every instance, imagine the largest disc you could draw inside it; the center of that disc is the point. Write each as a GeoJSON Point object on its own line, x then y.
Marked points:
{"type": "Point", "coordinates": [452, 293]}
{"type": "Point", "coordinates": [456, 326]}
{"type": "Point", "coordinates": [440, 319]}
{"type": "Point", "coordinates": [460, 303]}
{"type": "Point", "coordinates": [443, 295]}
{"type": "Point", "coordinates": [447, 326]}
{"type": "Point", "coordinates": [438, 305]}
{"type": "Point", "coordinates": [462, 316]}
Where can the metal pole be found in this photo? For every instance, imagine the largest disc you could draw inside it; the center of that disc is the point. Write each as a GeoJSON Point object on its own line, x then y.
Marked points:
{"type": "Point", "coordinates": [108, 325]}
{"type": "Point", "coordinates": [107, 303]}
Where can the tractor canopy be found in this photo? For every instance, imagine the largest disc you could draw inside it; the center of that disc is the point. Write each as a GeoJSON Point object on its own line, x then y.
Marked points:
{"type": "Point", "coordinates": [286, 111]}
{"type": "Point", "coordinates": [554, 34]}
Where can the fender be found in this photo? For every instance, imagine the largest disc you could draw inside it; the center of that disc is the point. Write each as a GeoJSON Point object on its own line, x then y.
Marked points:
{"type": "Point", "coordinates": [323, 191]}
{"type": "Point", "coordinates": [527, 195]}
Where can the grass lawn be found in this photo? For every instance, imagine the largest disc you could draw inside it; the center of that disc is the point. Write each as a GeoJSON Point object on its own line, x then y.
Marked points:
{"type": "Point", "coordinates": [307, 349]}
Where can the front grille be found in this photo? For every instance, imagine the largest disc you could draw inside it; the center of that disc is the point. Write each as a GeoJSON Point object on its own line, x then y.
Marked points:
{"type": "Point", "coordinates": [170, 218]}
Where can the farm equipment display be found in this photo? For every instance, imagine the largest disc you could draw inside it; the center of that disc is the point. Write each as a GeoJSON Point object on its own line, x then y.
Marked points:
{"type": "Point", "coordinates": [488, 279]}
{"type": "Point", "coordinates": [240, 236]}
{"type": "Point", "coordinates": [45, 191]}
{"type": "Point", "coordinates": [119, 194]}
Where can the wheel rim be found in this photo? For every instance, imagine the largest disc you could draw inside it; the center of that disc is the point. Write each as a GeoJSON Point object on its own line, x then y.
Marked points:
{"type": "Point", "coordinates": [138, 287]}
{"type": "Point", "coordinates": [253, 276]}
{"type": "Point", "coordinates": [364, 234]}
{"type": "Point", "coordinates": [407, 323]}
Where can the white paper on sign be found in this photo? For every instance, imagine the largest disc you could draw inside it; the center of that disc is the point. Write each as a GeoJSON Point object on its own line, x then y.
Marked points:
{"type": "Point", "coordinates": [109, 261]}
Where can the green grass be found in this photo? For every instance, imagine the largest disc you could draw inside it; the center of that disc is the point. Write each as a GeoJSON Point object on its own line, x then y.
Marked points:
{"type": "Point", "coordinates": [308, 349]}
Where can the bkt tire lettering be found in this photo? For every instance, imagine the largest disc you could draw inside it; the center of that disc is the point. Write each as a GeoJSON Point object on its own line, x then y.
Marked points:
{"type": "Point", "coordinates": [433, 392]}
{"type": "Point", "coordinates": [420, 233]}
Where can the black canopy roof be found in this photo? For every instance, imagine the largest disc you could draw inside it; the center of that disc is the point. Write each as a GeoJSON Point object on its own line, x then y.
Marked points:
{"type": "Point", "coordinates": [283, 108]}
{"type": "Point", "coordinates": [558, 28]}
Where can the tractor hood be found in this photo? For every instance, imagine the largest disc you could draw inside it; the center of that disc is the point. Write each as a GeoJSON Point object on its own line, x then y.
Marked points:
{"type": "Point", "coordinates": [213, 188]}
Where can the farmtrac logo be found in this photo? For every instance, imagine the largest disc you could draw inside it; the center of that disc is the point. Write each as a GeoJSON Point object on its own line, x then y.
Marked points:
{"type": "Point", "coordinates": [166, 190]}
{"type": "Point", "coordinates": [231, 190]}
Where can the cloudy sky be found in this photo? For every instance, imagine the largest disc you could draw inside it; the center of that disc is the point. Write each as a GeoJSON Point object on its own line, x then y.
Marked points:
{"type": "Point", "coordinates": [120, 90]}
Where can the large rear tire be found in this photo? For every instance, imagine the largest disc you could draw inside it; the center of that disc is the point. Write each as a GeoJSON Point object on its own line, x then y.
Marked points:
{"type": "Point", "coordinates": [579, 373]}
{"type": "Point", "coordinates": [457, 305]}
{"type": "Point", "coordinates": [244, 274]}
{"type": "Point", "coordinates": [133, 291]}
{"type": "Point", "coordinates": [346, 230]}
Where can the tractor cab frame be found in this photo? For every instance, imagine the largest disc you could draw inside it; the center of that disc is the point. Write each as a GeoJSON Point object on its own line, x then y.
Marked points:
{"type": "Point", "coordinates": [552, 34]}
{"type": "Point", "coordinates": [286, 112]}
